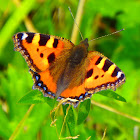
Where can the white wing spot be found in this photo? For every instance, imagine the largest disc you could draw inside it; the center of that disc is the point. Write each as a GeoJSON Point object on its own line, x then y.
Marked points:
{"type": "Point", "coordinates": [119, 74]}
{"type": "Point", "coordinates": [24, 36]}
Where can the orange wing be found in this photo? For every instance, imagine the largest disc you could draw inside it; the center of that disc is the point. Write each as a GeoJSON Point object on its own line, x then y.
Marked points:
{"type": "Point", "coordinates": [101, 74]}
{"type": "Point", "coordinates": [40, 50]}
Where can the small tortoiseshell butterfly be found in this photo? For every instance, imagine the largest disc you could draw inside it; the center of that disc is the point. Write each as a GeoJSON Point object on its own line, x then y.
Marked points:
{"type": "Point", "coordinates": [63, 70]}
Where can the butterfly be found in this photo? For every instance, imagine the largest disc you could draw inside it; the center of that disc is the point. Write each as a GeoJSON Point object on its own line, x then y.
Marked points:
{"type": "Point", "coordinates": [63, 70]}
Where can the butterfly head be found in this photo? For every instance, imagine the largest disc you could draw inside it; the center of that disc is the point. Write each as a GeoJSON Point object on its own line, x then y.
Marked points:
{"type": "Point", "coordinates": [79, 53]}
{"type": "Point", "coordinates": [84, 43]}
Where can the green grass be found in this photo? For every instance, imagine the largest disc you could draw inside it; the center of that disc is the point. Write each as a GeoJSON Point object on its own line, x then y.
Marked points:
{"type": "Point", "coordinates": [21, 120]}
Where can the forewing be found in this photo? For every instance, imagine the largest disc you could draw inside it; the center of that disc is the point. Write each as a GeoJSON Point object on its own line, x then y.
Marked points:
{"type": "Point", "coordinates": [40, 50]}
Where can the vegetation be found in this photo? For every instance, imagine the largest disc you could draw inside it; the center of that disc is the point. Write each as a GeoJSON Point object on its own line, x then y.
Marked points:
{"type": "Point", "coordinates": [26, 114]}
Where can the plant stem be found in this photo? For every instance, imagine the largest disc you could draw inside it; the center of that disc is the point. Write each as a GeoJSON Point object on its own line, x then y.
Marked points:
{"type": "Point", "coordinates": [78, 18]}
{"type": "Point", "coordinates": [20, 125]}
{"type": "Point", "coordinates": [64, 120]}
{"type": "Point", "coordinates": [116, 111]}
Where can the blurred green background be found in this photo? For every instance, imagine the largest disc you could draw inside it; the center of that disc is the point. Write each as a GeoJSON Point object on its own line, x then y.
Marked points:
{"type": "Point", "coordinates": [100, 17]}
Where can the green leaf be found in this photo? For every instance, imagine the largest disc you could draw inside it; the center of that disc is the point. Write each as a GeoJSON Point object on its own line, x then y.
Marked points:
{"type": "Point", "coordinates": [83, 111]}
{"type": "Point", "coordinates": [112, 94]}
{"type": "Point", "coordinates": [34, 97]}
{"type": "Point", "coordinates": [65, 108]}
{"type": "Point", "coordinates": [5, 130]}
{"type": "Point", "coordinates": [70, 119]}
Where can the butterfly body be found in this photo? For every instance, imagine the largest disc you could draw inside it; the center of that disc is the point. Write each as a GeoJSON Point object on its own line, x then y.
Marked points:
{"type": "Point", "coordinates": [63, 70]}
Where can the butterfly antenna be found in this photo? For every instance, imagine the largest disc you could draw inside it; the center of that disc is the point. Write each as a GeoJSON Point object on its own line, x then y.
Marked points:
{"type": "Point", "coordinates": [75, 22]}
{"type": "Point", "coordinates": [107, 35]}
